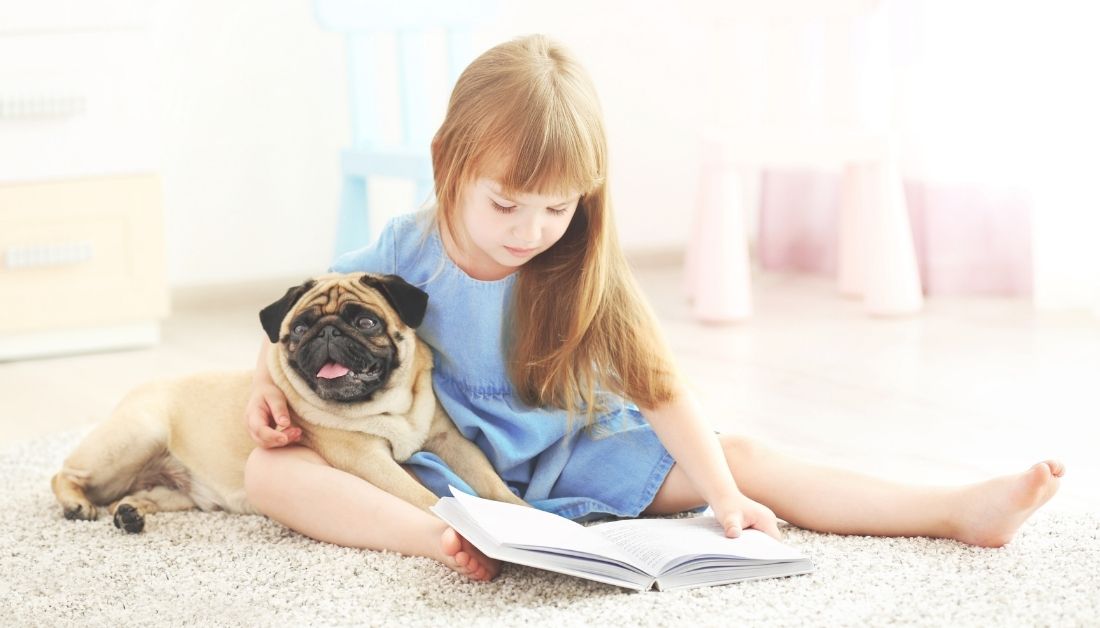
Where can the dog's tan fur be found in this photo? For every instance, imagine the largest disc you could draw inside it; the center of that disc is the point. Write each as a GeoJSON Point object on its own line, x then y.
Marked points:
{"type": "Point", "coordinates": [183, 444]}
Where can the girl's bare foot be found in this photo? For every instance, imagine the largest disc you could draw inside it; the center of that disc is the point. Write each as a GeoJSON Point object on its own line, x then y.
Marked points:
{"type": "Point", "coordinates": [460, 555]}
{"type": "Point", "coordinates": [993, 510]}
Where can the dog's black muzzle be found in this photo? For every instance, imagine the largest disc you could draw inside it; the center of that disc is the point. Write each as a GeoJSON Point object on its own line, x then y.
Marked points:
{"type": "Point", "coordinates": [322, 356]}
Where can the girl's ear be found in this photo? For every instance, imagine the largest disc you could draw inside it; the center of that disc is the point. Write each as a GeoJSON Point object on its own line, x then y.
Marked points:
{"type": "Point", "coordinates": [407, 300]}
{"type": "Point", "coordinates": [271, 317]}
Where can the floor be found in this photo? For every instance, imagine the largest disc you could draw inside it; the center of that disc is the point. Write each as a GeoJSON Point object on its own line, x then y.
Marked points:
{"type": "Point", "coordinates": [969, 388]}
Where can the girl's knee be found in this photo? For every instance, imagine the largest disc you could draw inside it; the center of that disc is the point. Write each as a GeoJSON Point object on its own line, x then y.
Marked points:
{"type": "Point", "coordinates": [265, 468]}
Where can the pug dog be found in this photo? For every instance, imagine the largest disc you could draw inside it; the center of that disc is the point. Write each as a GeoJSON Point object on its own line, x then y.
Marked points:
{"type": "Point", "coordinates": [348, 360]}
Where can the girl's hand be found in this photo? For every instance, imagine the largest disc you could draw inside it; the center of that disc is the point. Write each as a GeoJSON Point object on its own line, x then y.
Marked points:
{"type": "Point", "coordinates": [267, 417]}
{"type": "Point", "coordinates": [740, 512]}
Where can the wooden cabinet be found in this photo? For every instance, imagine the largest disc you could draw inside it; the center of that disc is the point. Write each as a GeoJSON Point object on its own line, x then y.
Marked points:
{"type": "Point", "coordinates": [81, 220]}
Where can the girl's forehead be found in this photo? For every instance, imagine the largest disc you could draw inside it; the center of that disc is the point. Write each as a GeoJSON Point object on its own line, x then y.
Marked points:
{"type": "Point", "coordinates": [497, 187]}
{"type": "Point", "coordinates": [557, 174]}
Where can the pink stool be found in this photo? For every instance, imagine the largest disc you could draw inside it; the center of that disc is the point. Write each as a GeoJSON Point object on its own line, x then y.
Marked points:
{"type": "Point", "coordinates": [717, 258]}
{"type": "Point", "coordinates": [876, 255]}
{"type": "Point", "coordinates": [807, 85]}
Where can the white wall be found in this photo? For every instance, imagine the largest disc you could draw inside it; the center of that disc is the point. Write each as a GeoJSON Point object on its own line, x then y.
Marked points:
{"type": "Point", "coordinates": [255, 115]}
{"type": "Point", "coordinates": [1018, 111]}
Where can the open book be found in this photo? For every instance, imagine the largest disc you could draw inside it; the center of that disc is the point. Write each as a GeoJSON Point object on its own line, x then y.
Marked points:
{"type": "Point", "coordinates": [634, 553]}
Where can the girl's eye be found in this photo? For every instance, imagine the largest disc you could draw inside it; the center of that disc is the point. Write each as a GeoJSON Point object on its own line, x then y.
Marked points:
{"type": "Point", "coordinates": [365, 322]}
{"type": "Point", "coordinates": [300, 329]}
{"type": "Point", "coordinates": [558, 212]}
{"type": "Point", "coordinates": [501, 208]}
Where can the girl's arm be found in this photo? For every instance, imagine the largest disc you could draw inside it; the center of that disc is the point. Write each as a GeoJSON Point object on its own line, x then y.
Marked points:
{"type": "Point", "coordinates": [267, 416]}
{"type": "Point", "coordinates": [696, 449]}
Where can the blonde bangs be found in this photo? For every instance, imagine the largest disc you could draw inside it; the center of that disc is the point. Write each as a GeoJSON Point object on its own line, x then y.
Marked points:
{"type": "Point", "coordinates": [541, 146]}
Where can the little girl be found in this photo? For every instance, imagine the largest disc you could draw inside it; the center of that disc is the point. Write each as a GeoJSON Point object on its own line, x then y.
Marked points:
{"type": "Point", "coordinates": [539, 330]}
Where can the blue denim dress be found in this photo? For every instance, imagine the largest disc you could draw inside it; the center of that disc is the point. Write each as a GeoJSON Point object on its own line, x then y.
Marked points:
{"type": "Point", "coordinates": [614, 470]}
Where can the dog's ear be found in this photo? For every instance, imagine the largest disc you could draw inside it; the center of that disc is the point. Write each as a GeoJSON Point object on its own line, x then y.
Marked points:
{"type": "Point", "coordinates": [271, 317]}
{"type": "Point", "coordinates": [407, 300]}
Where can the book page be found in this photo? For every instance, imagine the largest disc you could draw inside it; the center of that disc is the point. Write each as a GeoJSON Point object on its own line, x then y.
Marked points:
{"type": "Point", "coordinates": [518, 526]}
{"type": "Point", "coordinates": [573, 564]}
{"type": "Point", "coordinates": [657, 543]}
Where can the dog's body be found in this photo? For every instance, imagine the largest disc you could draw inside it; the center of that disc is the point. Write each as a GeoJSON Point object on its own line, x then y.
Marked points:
{"type": "Point", "coordinates": [183, 444]}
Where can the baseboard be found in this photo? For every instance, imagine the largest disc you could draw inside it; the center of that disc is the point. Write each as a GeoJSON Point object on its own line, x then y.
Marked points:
{"type": "Point", "coordinates": [51, 343]}
{"type": "Point", "coordinates": [655, 257]}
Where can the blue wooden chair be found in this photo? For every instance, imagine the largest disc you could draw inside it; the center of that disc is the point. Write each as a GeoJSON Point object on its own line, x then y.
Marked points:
{"type": "Point", "coordinates": [362, 21]}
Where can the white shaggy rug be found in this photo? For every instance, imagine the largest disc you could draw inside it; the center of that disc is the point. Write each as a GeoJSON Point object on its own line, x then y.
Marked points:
{"type": "Point", "coordinates": [214, 569]}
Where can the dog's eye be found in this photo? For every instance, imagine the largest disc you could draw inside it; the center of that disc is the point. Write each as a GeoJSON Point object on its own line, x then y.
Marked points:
{"type": "Point", "coordinates": [300, 329]}
{"type": "Point", "coordinates": [365, 322]}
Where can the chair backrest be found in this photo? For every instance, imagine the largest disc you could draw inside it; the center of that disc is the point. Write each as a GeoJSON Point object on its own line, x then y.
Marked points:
{"type": "Point", "coordinates": [390, 46]}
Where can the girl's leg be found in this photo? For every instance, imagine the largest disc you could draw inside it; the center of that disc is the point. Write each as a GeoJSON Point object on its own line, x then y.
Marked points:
{"type": "Point", "coordinates": [296, 487]}
{"type": "Point", "coordinates": [827, 499]}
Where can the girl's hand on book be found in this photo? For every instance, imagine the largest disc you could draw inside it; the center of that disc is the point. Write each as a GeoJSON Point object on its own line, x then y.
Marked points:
{"type": "Point", "coordinates": [740, 512]}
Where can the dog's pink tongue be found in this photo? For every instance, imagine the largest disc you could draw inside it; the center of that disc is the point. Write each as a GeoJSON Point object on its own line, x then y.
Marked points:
{"type": "Point", "coordinates": [332, 370]}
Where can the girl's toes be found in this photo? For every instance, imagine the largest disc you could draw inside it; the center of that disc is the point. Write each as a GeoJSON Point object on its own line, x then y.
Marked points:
{"type": "Point", "coordinates": [451, 543]}
{"type": "Point", "coordinates": [1057, 469]}
{"type": "Point", "coordinates": [461, 558]}
{"type": "Point", "coordinates": [1041, 471]}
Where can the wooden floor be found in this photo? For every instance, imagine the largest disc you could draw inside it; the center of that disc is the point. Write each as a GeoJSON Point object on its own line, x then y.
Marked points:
{"type": "Point", "coordinates": [969, 388]}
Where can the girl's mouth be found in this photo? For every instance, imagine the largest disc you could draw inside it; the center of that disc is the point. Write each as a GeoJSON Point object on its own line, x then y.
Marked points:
{"type": "Point", "coordinates": [520, 252]}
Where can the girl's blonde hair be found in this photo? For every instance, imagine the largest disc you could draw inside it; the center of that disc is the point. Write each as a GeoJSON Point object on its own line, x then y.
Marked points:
{"type": "Point", "coordinates": [580, 324]}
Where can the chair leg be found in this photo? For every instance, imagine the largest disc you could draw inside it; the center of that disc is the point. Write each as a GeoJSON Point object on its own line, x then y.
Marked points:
{"type": "Point", "coordinates": [721, 283]}
{"type": "Point", "coordinates": [691, 251]}
{"type": "Point", "coordinates": [890, 272]}
{"type": "Point", "coordinates": [353, 224]}
{"type": "Point", "coordinates": [850, 232]}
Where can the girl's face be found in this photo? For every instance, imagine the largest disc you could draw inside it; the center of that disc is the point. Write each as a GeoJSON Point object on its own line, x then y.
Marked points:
{"type": "Point", "coordinates": [504, 232]}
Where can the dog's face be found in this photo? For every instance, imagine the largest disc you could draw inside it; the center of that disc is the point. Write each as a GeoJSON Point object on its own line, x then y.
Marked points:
{"type": "Point", "coordinates": [345, 335]}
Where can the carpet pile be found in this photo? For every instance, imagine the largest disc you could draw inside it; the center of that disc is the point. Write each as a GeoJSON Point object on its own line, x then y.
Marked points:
{"type": "Point", "coordinates": [216, 569]}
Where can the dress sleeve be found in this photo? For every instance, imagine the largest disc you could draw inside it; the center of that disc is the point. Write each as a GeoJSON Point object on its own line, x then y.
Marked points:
{"type": "Point", "coordinates": [380, 257]}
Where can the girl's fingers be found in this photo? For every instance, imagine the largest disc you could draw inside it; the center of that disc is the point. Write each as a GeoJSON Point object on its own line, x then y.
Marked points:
{"type": "Point", "coordinates": [279, 412]}
{"type": "Point", "coordinates": [768, 525]}
{"type": "Point", "coordinates": [286, 432]}
{"type": "Point", "coordinates": [732, 526]}
{"type": "Point", "coordinates": [763, 520]}
{"type": "Point", "coordinates": [274, 438]}
{"type": "Point", "coordinates": [259, 428]}
{"type": "Point", "coordinates": [772, 530]}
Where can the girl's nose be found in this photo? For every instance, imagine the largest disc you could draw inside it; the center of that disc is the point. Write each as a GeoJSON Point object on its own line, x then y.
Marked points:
{"type": "Point", "coordinates": [527, 230]}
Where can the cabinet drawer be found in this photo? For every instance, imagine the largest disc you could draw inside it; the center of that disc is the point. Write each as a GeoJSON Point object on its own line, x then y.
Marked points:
{"type": "Point", "coordinates": [81, 253]}
{"type": "Point", "coordinates": [76, 104]}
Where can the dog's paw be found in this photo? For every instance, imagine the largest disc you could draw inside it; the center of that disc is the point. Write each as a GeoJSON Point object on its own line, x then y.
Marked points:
{"type": "Point", "coordinates": [129, 519]}
{"type": "Point", "coordinates": [80, 510]}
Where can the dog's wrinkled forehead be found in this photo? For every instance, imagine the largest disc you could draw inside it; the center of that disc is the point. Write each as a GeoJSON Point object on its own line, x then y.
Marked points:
{"type": "Point", "coordinates": [395, 301]}
{"type": "Point", "coordinates": [331, 293]}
